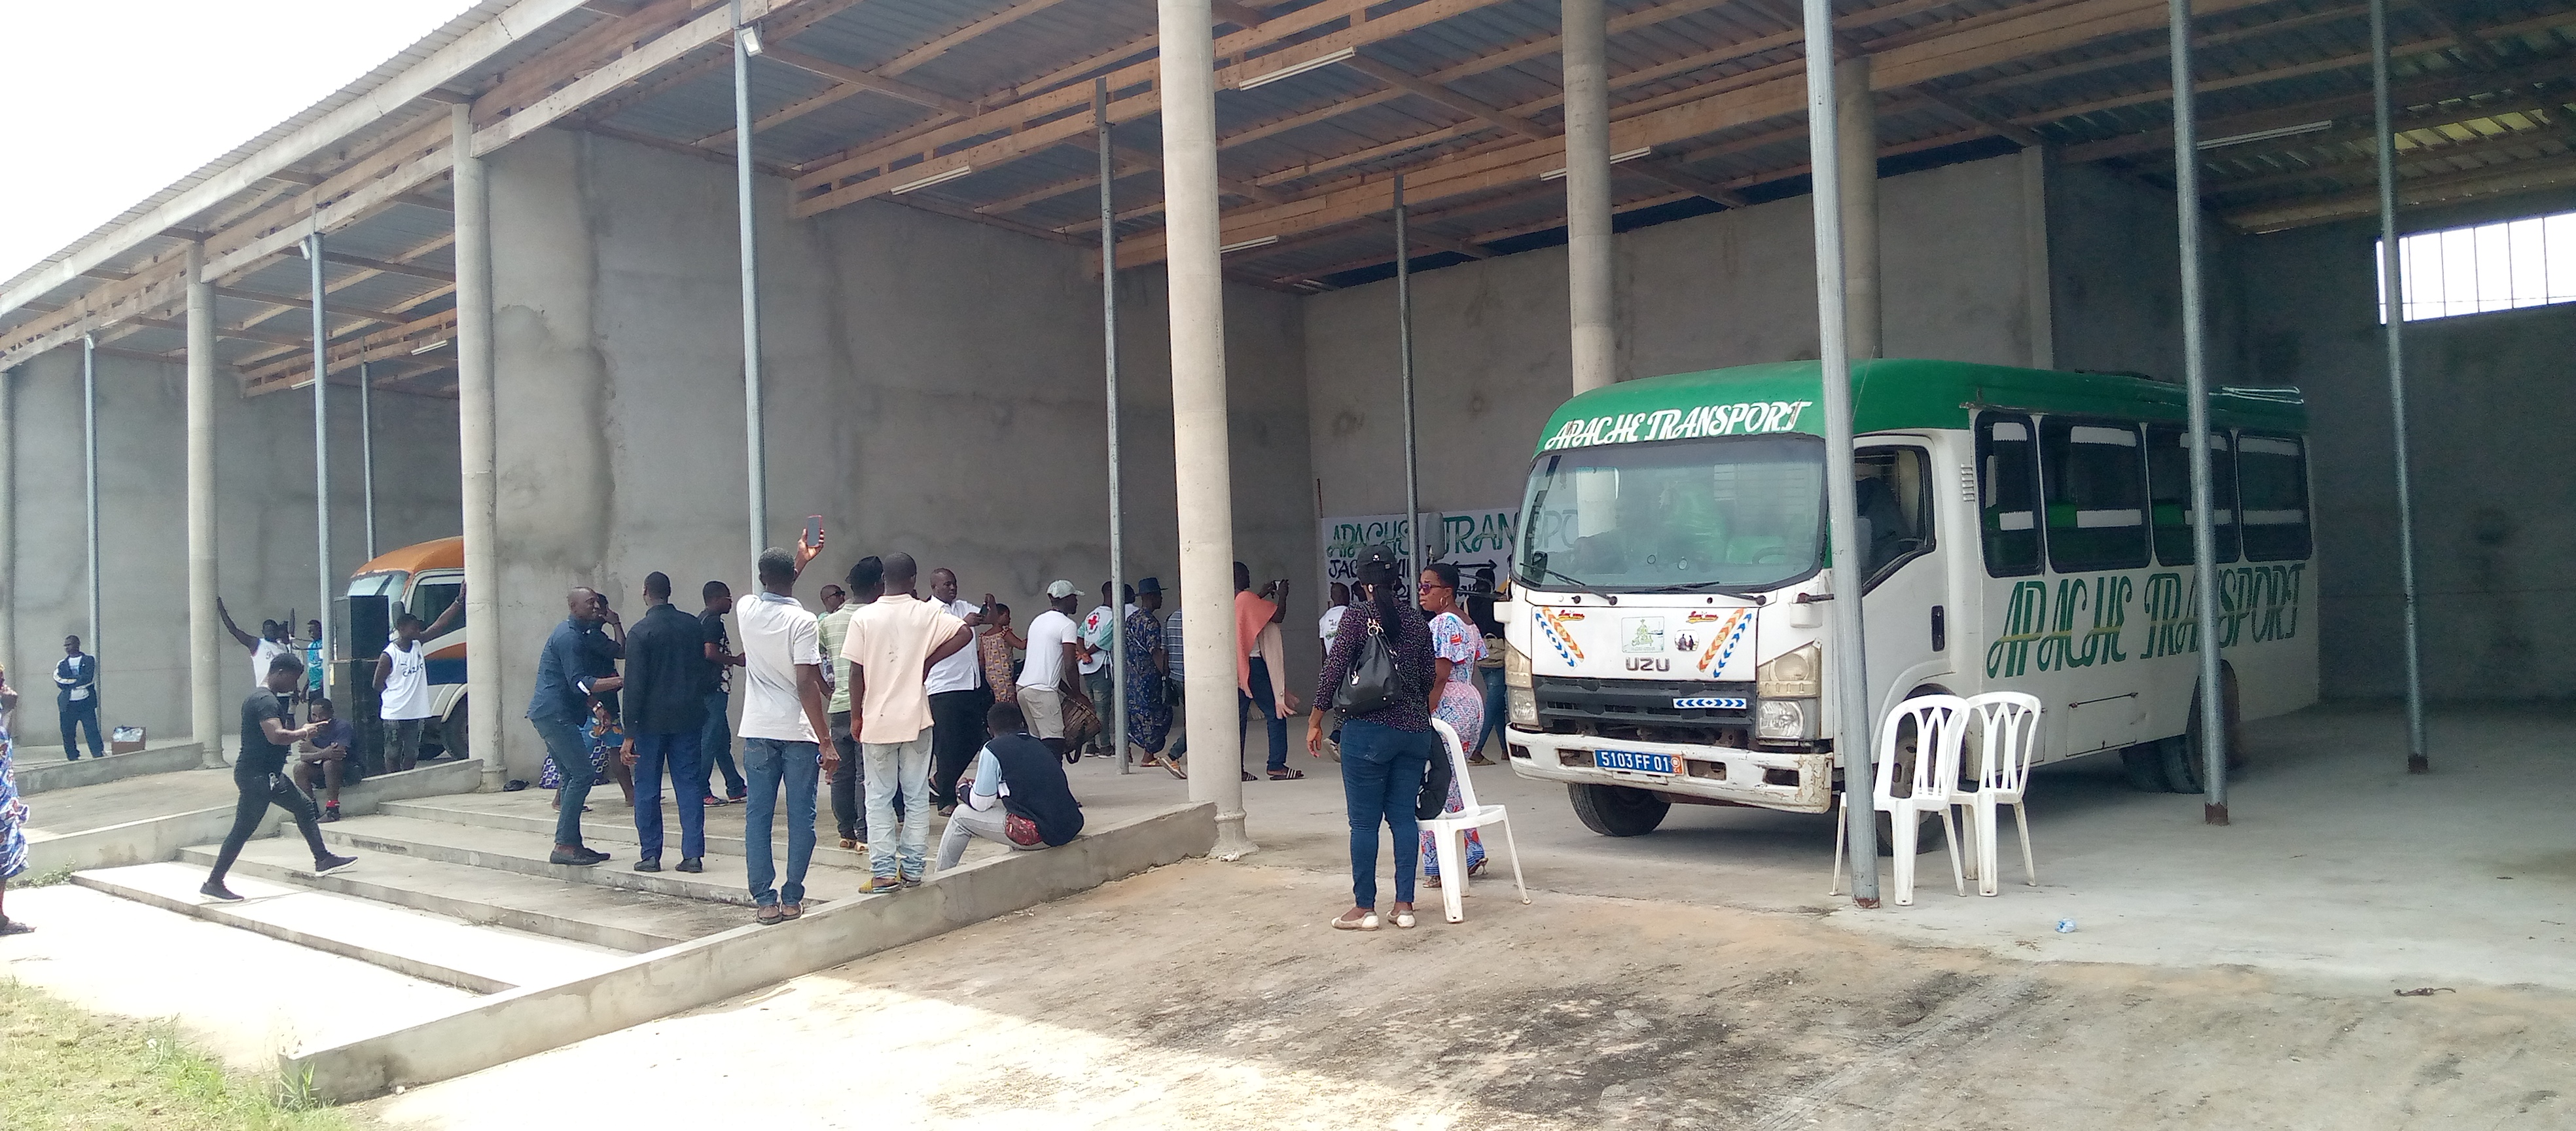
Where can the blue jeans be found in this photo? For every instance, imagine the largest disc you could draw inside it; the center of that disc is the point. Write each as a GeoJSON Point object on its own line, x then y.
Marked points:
{"type": "Point", "coordinates": [1262, 699]}
{"type": "Point", "coordinates": [679, 751]}
{"type": "Point", "coordinates": [1382, 771]}
{"type": "Point", "coordinates": [571, 755]}
{"type": "Point", "coordinates": [892, 765]}
{"type": "Point", "coordinates": [769, 762]}
{"type": "Point", "coordinates": [715, 749]}
{"type": "Point", "coordinates": [1496, 706]}
{"type": "Point", "coordinates": [74, 716]}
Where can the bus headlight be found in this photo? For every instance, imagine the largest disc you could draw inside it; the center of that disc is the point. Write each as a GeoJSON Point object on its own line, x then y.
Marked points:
{"type": "Point", "coordinates": [1793, 674]}
{"type": "Point", "coordinates": [1790, 719]}
{"type": "Point", "coordinates": [1518, 691]}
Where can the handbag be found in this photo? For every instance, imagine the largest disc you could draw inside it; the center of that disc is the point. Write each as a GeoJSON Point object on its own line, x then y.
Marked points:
{"type": "Point", "coordinates": [1435, 783]}
{"type": "Point", "coordinates": [1021, 830]}
{"type": "Point", "coordinates": [1372, 682]}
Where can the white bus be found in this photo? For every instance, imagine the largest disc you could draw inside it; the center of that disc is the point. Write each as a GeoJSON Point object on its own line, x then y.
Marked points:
{"type": "Point", "coordinates": [2021, 530]}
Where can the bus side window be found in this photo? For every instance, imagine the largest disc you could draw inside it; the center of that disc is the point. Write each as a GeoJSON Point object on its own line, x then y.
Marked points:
{"type": "Point", "coordinates": [2008, 494]}
{"type": "Point", "coordinates": [2272, 489]}
{"type": "Point", "coordinates": [2169, 489]}
{"type": "Point", "coordinates": [2095, 483]}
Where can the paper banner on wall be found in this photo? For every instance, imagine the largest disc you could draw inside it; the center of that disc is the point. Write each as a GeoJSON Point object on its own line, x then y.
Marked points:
{"type": "Point", "coordinates": [1467, 539]}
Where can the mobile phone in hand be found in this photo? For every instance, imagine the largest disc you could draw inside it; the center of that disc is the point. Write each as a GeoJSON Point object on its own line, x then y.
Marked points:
{"type": "Point", "coordinates": [813, 530]}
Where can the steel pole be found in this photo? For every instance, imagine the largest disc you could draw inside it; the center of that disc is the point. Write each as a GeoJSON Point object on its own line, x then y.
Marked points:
{"type": "Point", "coordinates": [1419, 551]}
{"type": "Point", "coordinates": [1201, 451]}
{"type": "Point", "coordinates": [205, 642]}
{"type": "Point", "coordinates": [1590, 294]}
{"type": "Point", "coordinates": [367, 448]}
{"type": "Point", "coordinates": [89, 494]}
{"type": "Point", "coordinates": [1109, 367]}
{"type": "Point", "coordinates": [476, 419]}
{"type": "Point", "coordinates": [321, 448]}
{"type": "Point", "coordinates": [1853, 711]}
{"type": "Point", "coordinates": [2204, 539]}
{"type": "Point", "coordinates": [755, 447]}
{"type": "Point", "coordinates": [1856, 147]}
{"type": "Point", "coordinates": [2419, 755]}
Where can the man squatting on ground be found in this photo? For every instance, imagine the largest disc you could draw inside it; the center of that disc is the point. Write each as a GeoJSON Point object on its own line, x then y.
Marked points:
{"type": "Point", "coordinates": [260, 774]}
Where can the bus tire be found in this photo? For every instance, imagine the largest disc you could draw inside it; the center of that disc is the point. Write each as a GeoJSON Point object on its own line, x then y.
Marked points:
{"type": "Point", "coordinates": [2184, 758]}
{"type": "Point", "coordinates": [451, 732]}
{"type": "Point", "coordinates": [2144, 766]}
{"type": "Point", "coordinates": [1616, 810]}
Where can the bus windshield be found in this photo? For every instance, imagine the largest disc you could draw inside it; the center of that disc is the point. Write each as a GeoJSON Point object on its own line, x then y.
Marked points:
{"type": "Point", "coordinates": [1739, 513]}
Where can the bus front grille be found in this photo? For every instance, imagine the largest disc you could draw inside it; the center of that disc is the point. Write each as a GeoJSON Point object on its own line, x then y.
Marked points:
{"type": "Point", "coordinates": [1647, 710]}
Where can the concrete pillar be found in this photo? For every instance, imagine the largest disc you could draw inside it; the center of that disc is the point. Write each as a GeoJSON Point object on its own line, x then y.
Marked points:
{"type": "Point", "coordinates": [205, 642]}
{"type": "Point", "coordinates": [474, 424]}
{"type": "Point", "coordinates": [1857, 154]}
{"type": "Point", "coordinates": [1587, 193]}
{"type": "Point", "coordinates": [1199, 442]}
{"type": "Point", "coordinates": [2038, 280]}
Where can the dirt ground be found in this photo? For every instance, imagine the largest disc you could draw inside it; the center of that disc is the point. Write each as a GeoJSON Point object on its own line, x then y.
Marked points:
{"type": "Point", "coordinates": [1212, 995]}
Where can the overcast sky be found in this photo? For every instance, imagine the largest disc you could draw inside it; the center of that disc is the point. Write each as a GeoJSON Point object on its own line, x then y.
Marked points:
{"type": "Point", "coordinates": [110, 103]}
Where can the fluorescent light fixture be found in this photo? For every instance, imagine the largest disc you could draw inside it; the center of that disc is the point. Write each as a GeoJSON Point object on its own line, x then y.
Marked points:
{"type": "Point", "coordinates": [1295, 69]}
{"type": "Point", "coordinates": [933, 179]}
{"type": "Point", "coordinates": [750, 36]}
{"type": "Point", "coordinates": [2267, 135]}
{"type": "Point", "coordinates": [1264, 241]}
{"type": "Point", "coordinates": [1615, 158]}
{"type": "Point", "coordinates": [439, 344]}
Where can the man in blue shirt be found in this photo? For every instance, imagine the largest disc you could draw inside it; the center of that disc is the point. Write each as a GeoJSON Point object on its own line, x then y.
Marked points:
{"type": "Point", "coordinates": [76, 696]}
{"type": "Point", "coordinates": [561, 703]}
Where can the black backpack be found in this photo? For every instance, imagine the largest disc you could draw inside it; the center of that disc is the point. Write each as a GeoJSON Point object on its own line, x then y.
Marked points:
{"type": "Point", "coordinates": [1372, 682]}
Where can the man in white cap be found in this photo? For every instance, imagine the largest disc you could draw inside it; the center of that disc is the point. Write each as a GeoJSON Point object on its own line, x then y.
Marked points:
{"type": "Point", "coordinates": [1047, 680]}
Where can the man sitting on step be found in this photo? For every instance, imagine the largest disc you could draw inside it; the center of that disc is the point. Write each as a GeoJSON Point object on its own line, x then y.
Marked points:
{"type": "Point", "coordinates": [1015, 794]}
{"type": "Point", "coordinates": [328, 752]}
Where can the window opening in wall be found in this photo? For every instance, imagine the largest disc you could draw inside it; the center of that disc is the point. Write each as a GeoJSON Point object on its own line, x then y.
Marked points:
{"type": "Point", "coordinates": [2484, 267]}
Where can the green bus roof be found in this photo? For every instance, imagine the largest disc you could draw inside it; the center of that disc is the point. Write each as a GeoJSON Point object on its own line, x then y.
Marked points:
{"type": "Point", "coordinates": [1887, 395]}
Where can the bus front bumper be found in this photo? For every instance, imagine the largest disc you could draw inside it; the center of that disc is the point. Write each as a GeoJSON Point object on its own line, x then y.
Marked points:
{"type": "Point", "coordinates": [1768, 779]}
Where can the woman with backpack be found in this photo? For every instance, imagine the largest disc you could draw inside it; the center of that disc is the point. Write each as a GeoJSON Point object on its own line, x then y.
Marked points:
{"type": "Point", "coordinates": [1379, 677]}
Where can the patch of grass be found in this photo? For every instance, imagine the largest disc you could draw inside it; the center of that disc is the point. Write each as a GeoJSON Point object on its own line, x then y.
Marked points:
{"type": "Point", "coordinates": [63, 1067]}
{"type": "Point", "coordinates": [45, 879]}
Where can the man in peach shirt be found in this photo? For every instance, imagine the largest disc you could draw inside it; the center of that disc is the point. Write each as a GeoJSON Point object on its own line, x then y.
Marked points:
{"type": "Point", "coordinates": [891, 645]}
{"type": "Point", "coordinates": [1259, 659]}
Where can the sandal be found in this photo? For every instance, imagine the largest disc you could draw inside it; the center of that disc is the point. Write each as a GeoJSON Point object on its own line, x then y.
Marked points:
{"type": "Point", "coordinates": [1366, 922]}
{"type": "Point", "coordinates": [1431, 880]}
{"type": "Point", "coordinates": [1286, 775]}
{"type": "Point", "coordinates": [1247, 776]}
{"type": "Point", "coordinates": [769, 915]}
{"type": "Point", "coordinates": [1178, 770]}
{"type": "Point", "coordinates": [1480, 760]}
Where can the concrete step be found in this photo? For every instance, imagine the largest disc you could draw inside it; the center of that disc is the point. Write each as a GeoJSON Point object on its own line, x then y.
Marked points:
{"type": "Point", "coordinates": [610, 823]}
{"type": "Point", "coordinates": [483, 959]}
{"type": "Point", "coordinates": [614, 918]}
{"type": "Point", "coordinates": [525, 853]}
{"type": "Point", "coordinates": [42, 769]}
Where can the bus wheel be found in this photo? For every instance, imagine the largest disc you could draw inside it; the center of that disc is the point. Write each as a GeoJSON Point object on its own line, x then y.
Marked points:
{"type": "Point", "coordinates": [451, 732]}
{"type": "Point", "coordinates": [2184, 758]}
{"type": "Point", "coordinates": [1616, 810]}
{"type": "Point", "coordinates": [2144, 765]}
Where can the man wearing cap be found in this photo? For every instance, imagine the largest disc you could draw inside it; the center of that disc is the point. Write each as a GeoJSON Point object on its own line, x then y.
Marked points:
{"type": "Point", "coordinates": [1054, 656]}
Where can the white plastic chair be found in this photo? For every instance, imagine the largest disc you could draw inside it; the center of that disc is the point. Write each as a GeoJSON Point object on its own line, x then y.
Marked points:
{"type": "Point", "coordinates": [1939, 723]}
{"type": "Point", "coordinates": [2008, 737]}
{"type": "Point", "coordinates": [1449, 832]}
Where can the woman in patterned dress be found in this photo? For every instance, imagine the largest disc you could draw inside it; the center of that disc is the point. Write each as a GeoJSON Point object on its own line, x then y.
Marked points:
{"type": "Point", "coordinates": [993, 644]}
{"type": "Point", "coordinates": [1149, 712]}
{"type": "Point", "coordinates": [1455, 698]}
{"type": "Point", "coordinates": [13, 811]}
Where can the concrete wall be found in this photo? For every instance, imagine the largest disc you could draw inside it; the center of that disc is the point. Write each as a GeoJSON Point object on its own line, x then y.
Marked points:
{"type": "Point", "coordinates": [934, 387]}
{"type": "Point", "coordinates": [1730, 288]}
{"type": "Point", "coordinates": [264, 493]}
{"type": "Point", "coordinates": [2115, 269]}
{"type": "Point", "coordinates": [2490, 408]}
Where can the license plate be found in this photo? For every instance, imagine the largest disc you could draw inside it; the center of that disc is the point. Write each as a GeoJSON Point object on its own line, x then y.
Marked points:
{"type": "Point", "coordinates": [1636, 760]}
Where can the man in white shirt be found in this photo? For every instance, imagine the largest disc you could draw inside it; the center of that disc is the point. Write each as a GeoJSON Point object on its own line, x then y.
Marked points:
{"type": "Point", "coordinates": [958, 698]}
{"type": "Point", "coordinates": [893, 643]}
{"type": "Point", "coordinates": [781, 731]}
{"type": "Point", "coordinates": [1055, 655]}
{"type": "Point", "coordinates": [263, 648]}
{"type": "Point", "coordinates": [1331, 625]}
